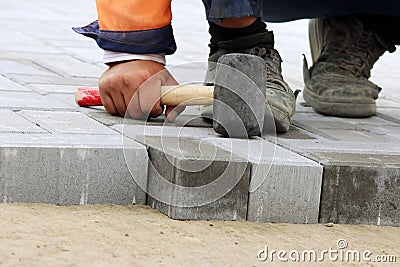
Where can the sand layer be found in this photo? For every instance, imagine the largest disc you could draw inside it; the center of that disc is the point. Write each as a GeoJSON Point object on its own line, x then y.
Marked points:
{"type": "Point", "coordinates": [104, 235]}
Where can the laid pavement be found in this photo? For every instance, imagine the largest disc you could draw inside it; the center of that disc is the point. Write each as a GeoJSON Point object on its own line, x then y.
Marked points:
{"type": "Point", "coordinates": [325, 169]}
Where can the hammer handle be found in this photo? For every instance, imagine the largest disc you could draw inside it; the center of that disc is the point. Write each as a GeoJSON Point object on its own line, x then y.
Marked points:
{"type": "Point", "coordinates": [187, 95]}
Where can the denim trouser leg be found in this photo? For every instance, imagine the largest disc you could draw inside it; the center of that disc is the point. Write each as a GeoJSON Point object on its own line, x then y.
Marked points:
{"type": "Point", "coordinates": [287, 10]}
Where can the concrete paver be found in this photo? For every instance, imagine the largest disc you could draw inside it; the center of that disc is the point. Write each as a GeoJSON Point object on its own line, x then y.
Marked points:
{"type": "Point", "coordinates": [390, 114]}
{"type": "Point", "coordinates": [360, 188]}
{"type": "Point", "coordinates": [7, 84]}
{"type": "Point", "coordinates": [285, 187]}
{"type": "Point", "coordinates": [70, 169]}
{"type": "Point", "coordinates": [66, 122]}
{"type": "Point", "coordinates": [29, 100]}
{"type": "Point", "coordinates": [11, 122]}
{"type": "Point", "coordinates": [208, 175]}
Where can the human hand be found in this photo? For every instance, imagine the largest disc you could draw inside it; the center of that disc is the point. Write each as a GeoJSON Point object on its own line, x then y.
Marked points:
{"type": "Point", "coordinates": [119, 90]}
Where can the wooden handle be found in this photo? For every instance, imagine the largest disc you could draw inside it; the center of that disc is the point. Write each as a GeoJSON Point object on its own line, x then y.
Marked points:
{"type": "Point", "coordinates": [187, 95]}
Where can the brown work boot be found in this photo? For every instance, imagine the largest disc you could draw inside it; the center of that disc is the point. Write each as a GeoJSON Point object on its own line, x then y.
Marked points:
{"type": "Point", "coordinates": [344, 53]}
{"type": "Point", "coordinates": [278, 93]}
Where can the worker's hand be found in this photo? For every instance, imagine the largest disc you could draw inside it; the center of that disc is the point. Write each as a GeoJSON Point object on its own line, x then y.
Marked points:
{"type": "Point", "coordinates": [120, 84]}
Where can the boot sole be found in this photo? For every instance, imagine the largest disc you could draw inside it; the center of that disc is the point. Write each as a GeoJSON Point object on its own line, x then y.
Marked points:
{"type": "Point", "coordinates": [351, 107]}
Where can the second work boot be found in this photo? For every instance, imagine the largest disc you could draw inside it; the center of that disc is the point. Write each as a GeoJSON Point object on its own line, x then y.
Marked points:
{"type": "Point", "coordinates": [278, 93]}
{"type": "Point", "coordinates": [344, 52]}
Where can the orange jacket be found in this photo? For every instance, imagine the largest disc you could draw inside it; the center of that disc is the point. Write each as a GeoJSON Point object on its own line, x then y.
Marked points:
{"type": "Point", "coordinates": [132, 26]}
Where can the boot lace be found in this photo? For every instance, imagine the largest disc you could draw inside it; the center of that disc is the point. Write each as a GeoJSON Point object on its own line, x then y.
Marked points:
{"type": "Point", "coordinates": [357, 57]}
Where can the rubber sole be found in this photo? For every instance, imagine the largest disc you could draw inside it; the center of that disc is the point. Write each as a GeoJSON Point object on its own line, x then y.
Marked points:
{"type": "Point", "coordinates": [349, 107]}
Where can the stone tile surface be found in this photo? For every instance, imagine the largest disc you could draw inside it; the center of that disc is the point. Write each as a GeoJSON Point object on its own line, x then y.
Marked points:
{"type": "Point", "coordinates": [30, 100]}
{"type": "Point", "coordinates": [285, 187]}
{"type": "Point", "coordinates": [207, 175]}
{"type": "Point", "coordinates": [360, 188]}
{"type": "Point", "coordinates": [12, 122]}
{"type": "Point", "coordinates": [66, 122]}
{"type": "Point", "coordinates": [9, 85]}
{"type": "Point", "coordinates": [71, 170]}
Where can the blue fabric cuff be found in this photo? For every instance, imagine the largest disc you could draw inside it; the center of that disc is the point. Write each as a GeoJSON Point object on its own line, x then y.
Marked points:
{"type": "Point", "coordinates": [153, 41]}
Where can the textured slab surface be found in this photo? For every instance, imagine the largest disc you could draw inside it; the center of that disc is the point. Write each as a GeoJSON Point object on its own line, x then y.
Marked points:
{"type": "Point", "coordinates": [285, 187]}
{"type": "Point", "coordinates": [205, 182]}
{"type": "Point", "coordinates": [361, 165]}
{"type": "Point", "coordinates": [11, 122]}
{"type": "Point", "coordinates": [70, 173]}
{"type": "Point", "coordinates": [66, 122]}
{"type": "Point", "coordinates": [30, 100]}
{"type": "Point", "coordinates": [360, 188]}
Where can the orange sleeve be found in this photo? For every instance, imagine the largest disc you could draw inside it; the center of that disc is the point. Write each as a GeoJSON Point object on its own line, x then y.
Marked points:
{"type": "Point", "coordinates": [132, 26]}
{"type": "Point", "coordinates": [133, 15]}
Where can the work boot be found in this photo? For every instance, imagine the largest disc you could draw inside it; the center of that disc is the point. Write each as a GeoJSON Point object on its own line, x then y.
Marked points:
{"type": "Point", "coordinates": [343, 52]}
{"type": "Point", "coordinates": [278, 93]}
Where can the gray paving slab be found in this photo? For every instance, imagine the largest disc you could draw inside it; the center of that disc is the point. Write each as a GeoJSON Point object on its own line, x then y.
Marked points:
{"type": "Point", "coordinates": [390, 114]}
{"type": "Point", "coordinates": [66, 122]}
{"type": "Point", "coordinates": [189, 118]}
{"type": "Point", "coordinates": [52, 88]}
{"type": "Point", "coordinates": [179, 155]}
{"type": "Point", "coordinates": [208, 183]}
{"type": "Point", "coordinates": [43, 49]}
{"type": "Point", "coordinates": [63, 43]}
{"type": "Point", "coordinates": [7, 84]}
{"type": "Point", "coordinates": [61, 172]}
{"type": "Point", "coordinates": [285, 187]}
{"type": "Point", "coordinates": [86, 54]}
{"type": "Point", "coordinates": [70, 66]}
{"type": "Point", "coordinates": [12, 11]}
{"type": "Point", "coordinates": [15, 37]}
{"type": "Point", "coordinates": [58, 80]}
{"type": "Point", "coordinates": [360, 158]}
{"type": "Point", "coordinates": [72, 176]}
{"type": "Point", "coordinates": [88, 110]}
{"type": "Point", "coordinates": [110, 120]}
{"type": "Point", "coordinates": [65, 141]}
{"type": "Point", "coordinates": [67, 99]}
{"type": "Point", "coordinates": [350, 130]}
{"type": "Point", "coordinates": [11, 122]}
{"type": "Point", "coordinates": [30, 100]}
{"type": "Point", "coordinates": [302, 146]}
{"type": "Point", "coordinates": [45, 30]}
{"type": "Point", "coordinates": [386, 102]}
{"type": "Point", "coordinates": [101, 116]}
{"type": "Point", "coordinates": [137, 131]}
{"type": "Point", "coordinates": [360, 188]}
{"type": "Point", "coordinates": [23, 67]}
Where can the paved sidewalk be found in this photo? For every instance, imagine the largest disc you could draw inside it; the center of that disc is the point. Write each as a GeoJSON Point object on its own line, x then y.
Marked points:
{"type": "Point", "coordinates": [325, 169]}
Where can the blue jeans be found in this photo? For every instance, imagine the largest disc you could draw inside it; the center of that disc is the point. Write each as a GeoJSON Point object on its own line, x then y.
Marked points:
{"type": "Point", "coordinates": [287, 10]}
